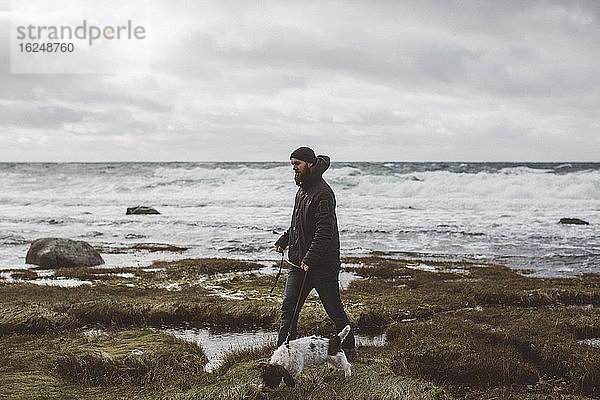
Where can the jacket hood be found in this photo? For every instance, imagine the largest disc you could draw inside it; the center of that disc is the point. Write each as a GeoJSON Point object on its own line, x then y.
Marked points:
{"type": "Point", "coordinates": [320, 166]}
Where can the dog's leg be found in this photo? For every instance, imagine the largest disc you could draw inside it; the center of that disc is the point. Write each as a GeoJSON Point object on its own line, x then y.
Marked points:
{"type": "Point", "coordinates": [346, 367]}
{"type": "Point", "coordinates": [331, 365]}
{"type": "Point", "coordinates": [341, 362]}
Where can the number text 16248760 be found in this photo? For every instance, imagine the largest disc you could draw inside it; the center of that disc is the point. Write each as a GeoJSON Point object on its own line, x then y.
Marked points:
{"type": "Point", "coordinates": [50, 47]}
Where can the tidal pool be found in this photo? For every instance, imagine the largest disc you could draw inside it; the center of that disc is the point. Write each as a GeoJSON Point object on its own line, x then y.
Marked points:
{"type": "Point", "coordinates": [46, 281]}
{"type": "Point", "coordinates": [217, 344]}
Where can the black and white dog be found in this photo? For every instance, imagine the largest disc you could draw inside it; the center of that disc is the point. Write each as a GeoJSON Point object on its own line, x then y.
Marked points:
{"type": "Point", "coordinates": [289, 359]}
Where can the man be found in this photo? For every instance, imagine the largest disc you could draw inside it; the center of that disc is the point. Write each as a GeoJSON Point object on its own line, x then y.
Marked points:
{"type": "Point", "coordinates": [314, 245]}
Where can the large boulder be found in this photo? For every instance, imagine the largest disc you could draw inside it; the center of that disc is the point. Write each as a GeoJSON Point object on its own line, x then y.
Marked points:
{"type": "Point", "coordinates": [573, 221]}
{"type": "Point", "coordinates": [141, 210]}
{"type": "Point", "coordinates": [58, 252]}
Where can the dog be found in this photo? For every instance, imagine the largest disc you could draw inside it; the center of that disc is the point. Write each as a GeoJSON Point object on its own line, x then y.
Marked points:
{"type": "Point", "coordinates": [290, 358]}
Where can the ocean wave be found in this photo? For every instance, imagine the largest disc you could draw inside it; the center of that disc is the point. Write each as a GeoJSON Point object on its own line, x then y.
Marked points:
{"type": "Point", "coordinates": [369, 185]}
{"type": "Point", "coordinates": [205, 173]}
{"type": "Point", "coordinates": [443, 186]}
{"type": "Point", "coordinates": [482, 210]}
{"type": "Point", "coordinates": [9, 239]}
{"type": "Point", "coordinates": [522, 170]}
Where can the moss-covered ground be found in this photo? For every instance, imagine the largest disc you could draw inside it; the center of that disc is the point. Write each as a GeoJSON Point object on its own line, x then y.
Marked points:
{"type": "Point", "coordinates": [454, 330]}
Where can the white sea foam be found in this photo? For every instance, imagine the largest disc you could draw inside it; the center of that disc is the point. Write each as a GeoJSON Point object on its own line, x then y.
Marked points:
{"type": "Point", "coordinates": [62, 282]}
{"type": "Point", "coordinates": [491, 212]}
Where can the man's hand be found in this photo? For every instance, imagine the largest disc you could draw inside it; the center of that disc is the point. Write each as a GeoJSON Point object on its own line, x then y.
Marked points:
{"type": "Point", "coordinates": [279, 249]}
{"type": "Point", "coordinates": [304, 267]}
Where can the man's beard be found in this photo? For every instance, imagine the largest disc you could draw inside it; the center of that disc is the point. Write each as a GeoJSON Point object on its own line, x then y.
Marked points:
{"type": "Point", "coordinates": [302, 177]}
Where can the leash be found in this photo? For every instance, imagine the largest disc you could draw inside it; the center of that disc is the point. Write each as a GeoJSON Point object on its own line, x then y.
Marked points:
{"type": "Point", "coordinates": [287, 339]}
{"type": "Point", "coordinates": [280, 268]}
{"type": "Point", "coordinates": [278, 274]}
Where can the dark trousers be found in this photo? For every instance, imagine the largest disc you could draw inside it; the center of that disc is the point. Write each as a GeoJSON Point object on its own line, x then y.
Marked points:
{"type": "Point", "coordinates": [326, 283]}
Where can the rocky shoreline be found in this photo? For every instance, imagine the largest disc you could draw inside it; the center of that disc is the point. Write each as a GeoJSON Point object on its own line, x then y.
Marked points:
{"type": "Point", "coordinates": [453, 330]}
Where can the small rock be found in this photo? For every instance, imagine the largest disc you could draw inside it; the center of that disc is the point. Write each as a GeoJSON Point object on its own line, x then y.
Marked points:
{"type": "Point", "coordinates": [137, 352]}
{"type": "Point", "coordinates": [573, 221]}
{"type": "Point", "coordinates": [135, 236]}
{"type": "Point", "coordinates": [92, 234]}
{"type": "Point", "coordinates": [141, 210]}
{"type": "Point", "coordinates": [59, 252]}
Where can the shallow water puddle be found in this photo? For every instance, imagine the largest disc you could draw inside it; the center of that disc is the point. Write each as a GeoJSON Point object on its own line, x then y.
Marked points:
{"type": "Point", "coordinates": [47, 277]}
{"type": "Point", "coordinates": [431, 268]}
{"type": "Point", "coordinates": [595, 342]}
{"type": "Point", "coordinates": [217, 344]}
{"type": "Point", "coordinates": [94, 332]}
{"type": "Point", "coordinates": [62, 282]}
{"type": "Point", "coordinates": [153, 269]}
{"type": "Point", "coordinates": [44, 273]}
{"type": "Point", "coordinates": [126, 275]}
{"type": "Point", "coordinates": [377, 340]}
{"type": "Point", "coordinates": [346, 277]}
{"type": "Point", "coordinates": [7, 276]}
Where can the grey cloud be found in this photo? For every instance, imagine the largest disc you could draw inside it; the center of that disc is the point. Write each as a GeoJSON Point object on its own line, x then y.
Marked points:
{"type": "Point", "coordinates": [507, 67]}
{"type": "Point", "coordinates": [23, 115]}
{"type": "Point", "coordinates": [26, 115]}
{"type": "Point", "coordinates": [384, 79]}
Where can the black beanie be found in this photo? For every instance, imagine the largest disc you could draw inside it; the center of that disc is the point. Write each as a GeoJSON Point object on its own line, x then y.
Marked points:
{"type": "Point", "coordinates": [305, 154]}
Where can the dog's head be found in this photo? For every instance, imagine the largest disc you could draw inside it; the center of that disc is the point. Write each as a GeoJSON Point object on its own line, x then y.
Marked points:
{"type": "Point", "coordinates": [271, 375]}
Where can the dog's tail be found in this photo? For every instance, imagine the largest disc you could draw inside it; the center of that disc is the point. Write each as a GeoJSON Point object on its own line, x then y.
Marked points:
{"type": "Point", "coordinates": [342, 335]}
{"type": "Point", "coordinates": [335, 343]}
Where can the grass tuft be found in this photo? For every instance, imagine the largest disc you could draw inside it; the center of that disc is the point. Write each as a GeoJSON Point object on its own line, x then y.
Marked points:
{"type": "Point", "coordinates": [33, 319]}
{"type": "Point", "coordinates": [24, 274]}
{"type": "Point", "coordinates": [372, 322]}
{"type": "Point", "coordinates": [238, 356]}
{"type": "Point", "coordinates": [449, 351]}
{"type": "Point", "coordinates": [191, 268]}
{"type": "Point", "coordinates": [148, 358]}
{"type": "Point", "coordinates": [371, 380]}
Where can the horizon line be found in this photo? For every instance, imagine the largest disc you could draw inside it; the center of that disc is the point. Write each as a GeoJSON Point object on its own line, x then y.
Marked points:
{"type": "Point", "coordinates": [284, 161]}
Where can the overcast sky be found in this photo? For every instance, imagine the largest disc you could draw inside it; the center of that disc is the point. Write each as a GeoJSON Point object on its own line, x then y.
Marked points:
{"type": "Point", "coordinates": [358, 80]}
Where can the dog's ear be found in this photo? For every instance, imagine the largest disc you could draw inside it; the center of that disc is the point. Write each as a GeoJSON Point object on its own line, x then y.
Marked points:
{"type": "Point", "coordinates": [287, 378]}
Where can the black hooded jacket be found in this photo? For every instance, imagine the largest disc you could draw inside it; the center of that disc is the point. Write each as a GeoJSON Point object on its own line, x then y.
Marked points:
{"type": "Point", "coordinates": [313, 236]}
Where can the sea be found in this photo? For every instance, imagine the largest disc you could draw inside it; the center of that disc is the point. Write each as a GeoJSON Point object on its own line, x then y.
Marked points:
{"type": "Point", "coordinates": [506, 213]}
